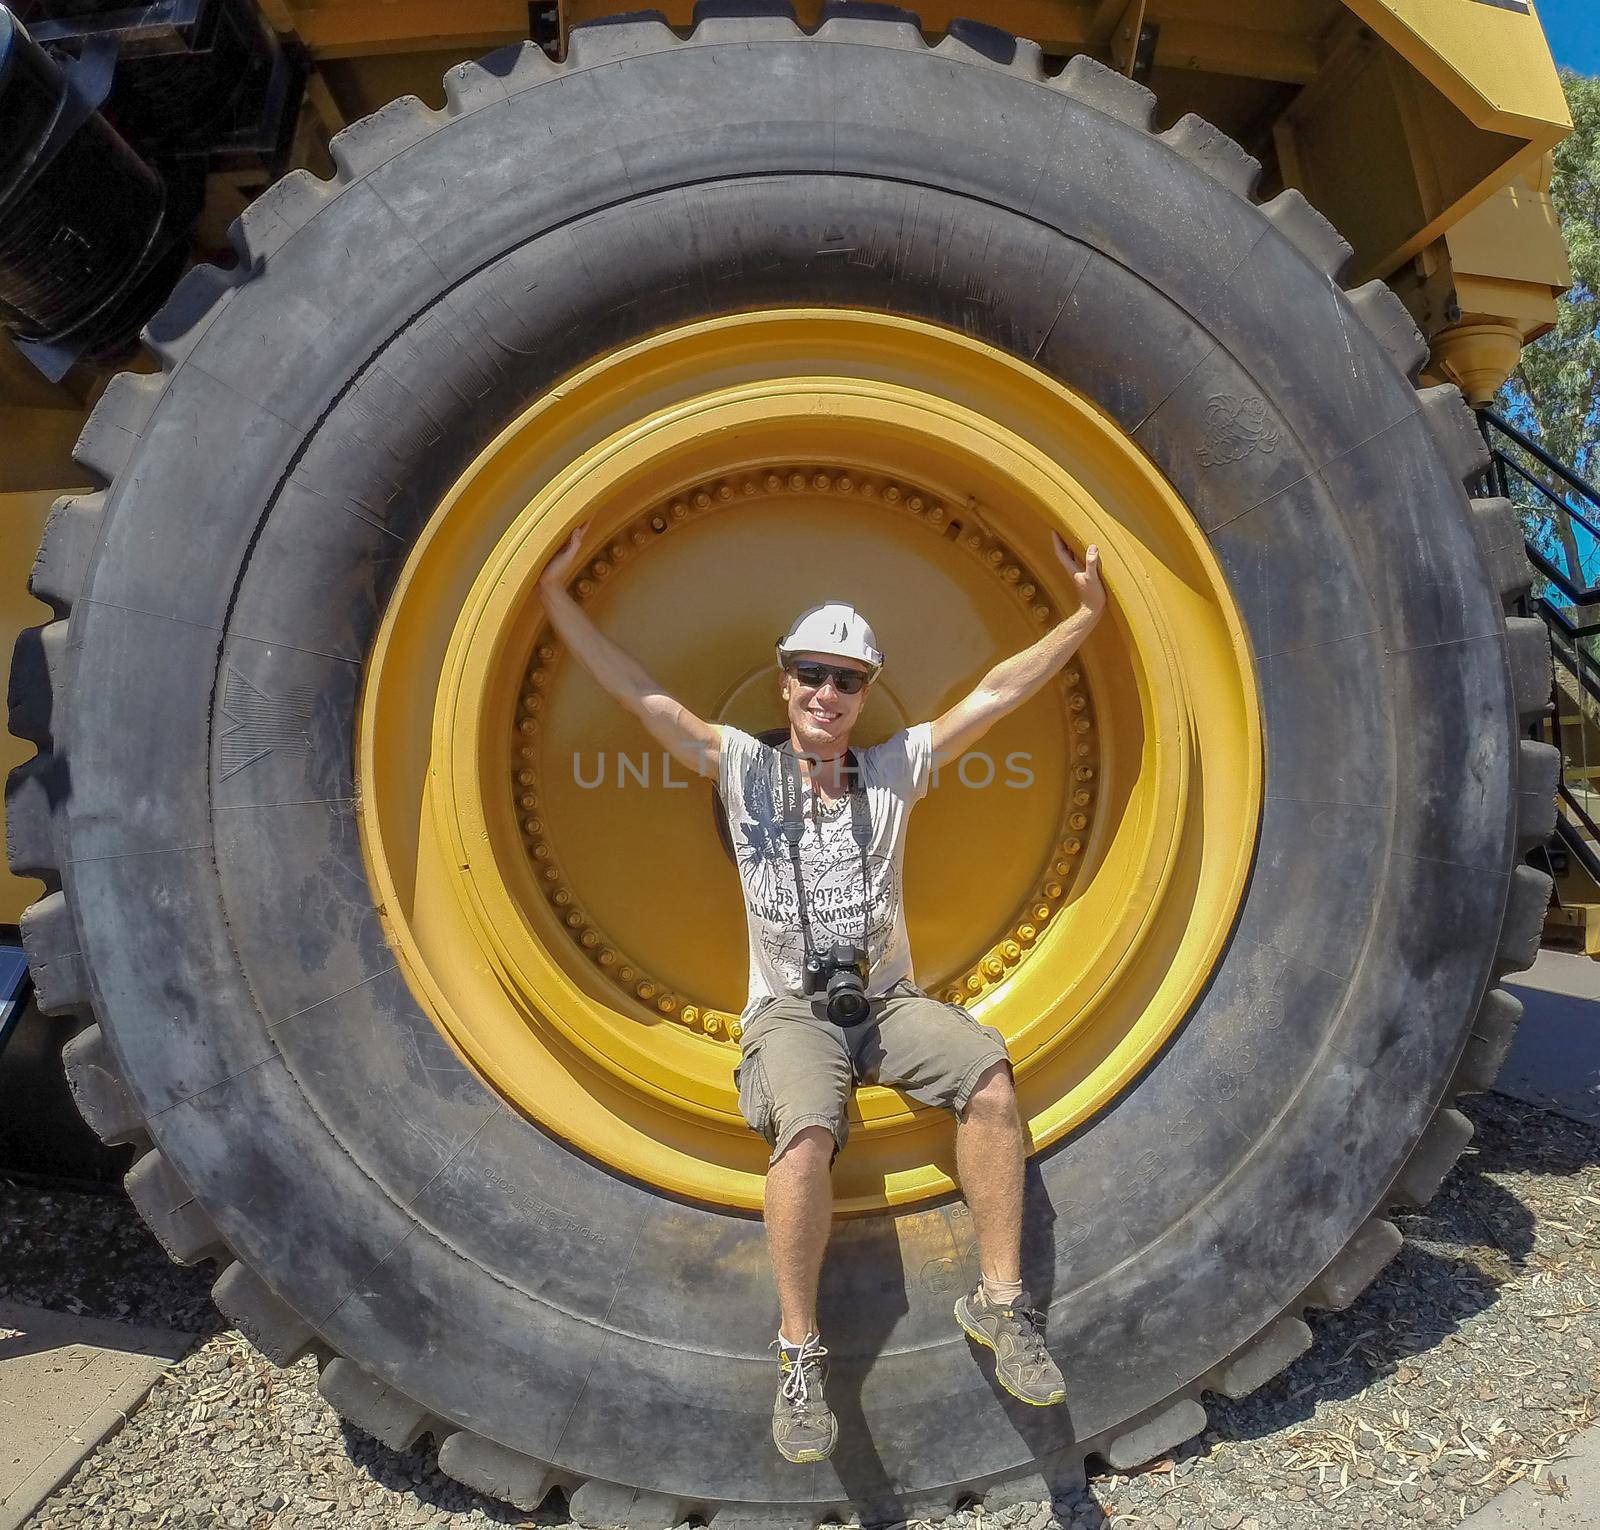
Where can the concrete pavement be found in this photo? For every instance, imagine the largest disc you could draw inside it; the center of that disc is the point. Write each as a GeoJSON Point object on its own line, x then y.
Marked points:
{"type": "Point", "coordinates": [66, 1384]}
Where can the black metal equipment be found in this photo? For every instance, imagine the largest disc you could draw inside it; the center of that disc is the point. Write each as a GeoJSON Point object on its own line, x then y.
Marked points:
{"type": "Point", "coordinates": [110, 120]}
{"type": "Point", "coordinates": [80, 213]}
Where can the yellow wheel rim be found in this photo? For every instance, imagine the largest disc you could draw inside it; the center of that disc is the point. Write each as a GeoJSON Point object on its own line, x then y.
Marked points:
{"type": "Point", "coordinates": [572, 923]}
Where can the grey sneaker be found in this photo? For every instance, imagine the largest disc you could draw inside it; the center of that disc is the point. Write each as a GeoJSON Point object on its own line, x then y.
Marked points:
{"type": "Point", "coordinates": [803, 1426]}
{"type": "Point", "coordinates": [1022, 1365]}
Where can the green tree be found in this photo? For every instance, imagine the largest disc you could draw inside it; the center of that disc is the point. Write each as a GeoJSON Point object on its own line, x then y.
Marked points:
{"type": "Point", "coordinates": [1554, 394]}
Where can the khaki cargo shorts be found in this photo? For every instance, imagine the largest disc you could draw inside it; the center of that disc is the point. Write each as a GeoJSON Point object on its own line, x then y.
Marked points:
{"type": "Point", "coordinates": [798, 1069]}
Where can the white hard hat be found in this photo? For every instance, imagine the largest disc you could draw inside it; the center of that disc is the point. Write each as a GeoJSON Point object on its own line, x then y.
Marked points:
{"type": "Point", "coordinates": [832, 628]}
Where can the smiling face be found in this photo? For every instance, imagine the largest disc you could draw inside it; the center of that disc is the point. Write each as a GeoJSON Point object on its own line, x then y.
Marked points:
{"type": "Point", "coordinates": [820, 720]}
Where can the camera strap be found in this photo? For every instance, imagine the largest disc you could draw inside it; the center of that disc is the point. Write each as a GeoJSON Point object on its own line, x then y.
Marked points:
{"type": "Point", "coordinates": [794, 825]}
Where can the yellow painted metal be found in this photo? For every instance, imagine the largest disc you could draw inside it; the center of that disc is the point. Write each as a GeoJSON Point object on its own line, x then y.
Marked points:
{"type": "Point", "coordinates": [1513, 237]}
{"type": "Point", "coordinates": [1409, 129]}
{"type": "Point", "coordinates": [352, 28]}
{"type": "Point", "coordinates": [1508, 258]}
{"type": "Point", "coordinates": [1477, 357]}
{"type": "Point", "coordinates": [22, 518]}
{"type": "Point", "coordinates": [36, 447]}
{"type": "Point", "coordinates": [1489, 285]}
{"type": "Point", "coordinates": [735, 471]}
{"type": "Point", "coordinates": [1491, 61]}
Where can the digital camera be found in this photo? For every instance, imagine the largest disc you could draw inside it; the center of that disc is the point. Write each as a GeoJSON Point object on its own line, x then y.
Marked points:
{"type": "Point", "coordinates": [842, 976]}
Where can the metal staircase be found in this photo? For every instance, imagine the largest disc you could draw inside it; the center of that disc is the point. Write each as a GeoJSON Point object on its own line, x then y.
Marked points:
{"type": "Point", "coordinates": [1560, 514]}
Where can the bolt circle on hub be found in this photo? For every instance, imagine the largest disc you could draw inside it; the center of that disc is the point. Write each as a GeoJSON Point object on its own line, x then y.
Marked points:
{"type": "Point", "coordinates": [545, 870]}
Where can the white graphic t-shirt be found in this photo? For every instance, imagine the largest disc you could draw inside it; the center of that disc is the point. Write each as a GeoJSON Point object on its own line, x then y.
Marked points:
{"type": "Point", "coordinates": [895, 774]}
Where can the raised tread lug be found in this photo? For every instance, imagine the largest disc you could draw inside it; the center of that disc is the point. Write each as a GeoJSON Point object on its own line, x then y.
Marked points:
{"type": "Point", "coordinates": [496, 1470]}
{"type": "Point", "coordinates": [1538, 774]}
{"type": "Point", "coordinates": [388, 1415]}
{"type": "Point", "coordinates": [55, 959]}
{"type": "Point", "coordinates": [199, 296]}
{"type": "Point", "coordinates": [98, 1091]}
{"type": "Point", "coordinates": [469, 87]}
{"type": "Point", "coordinates": [979, 43]}
{"type": "Point", "coordinates": [1532, 678]}
{"type": "Point", "coordinates": [70, 533]}
{"type": "Point", "coordinates": [1106, 91]}
{"type": "Point", "coordinates": [180, 1224]}
{"type": "Point", "coordinates": [1309, 232]}
{"type": "Point", "coordinates": [879, 26]}
{"type": "Point", "coordinates": [611, 39]}
{"type": "Point", "coordinates": [765, 1516]}
{"type": "Point", "coordinates": [1455, 428]}
{"type": "Point", "coordinates": [932, 1508]}
{"type": "Point", "coordinates": [262, 1316]}
{"type": "Point", "coordinates": [40, 678]}
{"type": "Point", "coordinates": [1166, 1431]}
{"type": "Point", "coordinates": [1210, 150]}
{"type": "Point", "coordinates": [119, 416]}
{"type": "Point", "coordinates": [33, 788]}
{"type": "Point", "coordinates": [1433, 1158]}
{"type": "Point", "coordinates": [1524, 921]}
{"type": "Point", "coordinates": [520, 66]}
{"type": "Point", "coordinates": [1032, 1487]}
{"type": "Point", "coordinates": [276, 216]}
{"type": "Point", "coordinates": [1355, 1266]}
{"type": "Point", "coordinates": [376, 139]}
{"type": "Point", "coordinates": [604, 1504]}
{"type": "Point", "coordinates": [1493, 1030]}
{"type": "Point", "coordinates": [1257, 1362]}
{"type": "Point", "coordinates": [744, 21]}
{"type": "Point", "coordinates": [1500, 541]}
{"type": "Point", "coordinates": [1389, 322]}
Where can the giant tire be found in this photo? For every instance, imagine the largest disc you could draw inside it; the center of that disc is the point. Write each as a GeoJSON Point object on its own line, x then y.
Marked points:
{"type": "Point", "coordinates": [298, 1118]}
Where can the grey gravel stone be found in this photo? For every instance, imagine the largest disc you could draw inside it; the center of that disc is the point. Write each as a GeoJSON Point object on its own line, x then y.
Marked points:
{"type": "Point", "coordinates": [1474, 1356]}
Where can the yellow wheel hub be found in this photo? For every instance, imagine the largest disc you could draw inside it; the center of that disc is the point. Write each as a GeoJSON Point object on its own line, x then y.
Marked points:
{"type": "Point", "coordinates": [556, 888]}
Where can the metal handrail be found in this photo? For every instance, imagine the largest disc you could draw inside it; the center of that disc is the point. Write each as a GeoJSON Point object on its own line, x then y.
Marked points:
{"type": "Point", "coordinates": [1556, 616]}
{"type": "Point", "coordinates": [1555, 505]}
{"type": "Point", "coordinates": [1576, 845]}
{"type": "Point", "coordinates": [1545, 489]}
{"type": "Point", "coordinates": [1579, 812]}
{"type": "Point", "coordinates": [1578, 673]}
{"type": "Point", "coordinates": [1579, 486]}
{"type": "Point", "coordinates": [1562, 503]}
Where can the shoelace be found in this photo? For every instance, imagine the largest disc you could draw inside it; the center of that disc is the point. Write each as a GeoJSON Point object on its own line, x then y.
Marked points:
{"type": "Point", "coordinates": [796, 1385]}
{"type": "Point", "coordinates": [1030, 1331]}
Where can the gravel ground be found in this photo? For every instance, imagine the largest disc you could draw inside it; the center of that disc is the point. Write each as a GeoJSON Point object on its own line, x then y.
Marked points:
{"type": "Point", "coordinates": [1468, 1366]}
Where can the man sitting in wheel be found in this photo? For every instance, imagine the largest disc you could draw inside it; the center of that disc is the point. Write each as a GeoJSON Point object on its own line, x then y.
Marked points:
{"type": "Point", "coordinates": [819, 832]}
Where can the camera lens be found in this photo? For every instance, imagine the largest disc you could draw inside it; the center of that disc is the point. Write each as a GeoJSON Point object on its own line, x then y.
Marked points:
{"type": "Point", "coordinates": [846, 1006]}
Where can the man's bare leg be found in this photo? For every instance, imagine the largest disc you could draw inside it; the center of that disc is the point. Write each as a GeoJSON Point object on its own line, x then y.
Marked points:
{"type": "Point", "coordinates": [799, 1217]}
{"type": "Point", "coordinates": [989, 1163]}
{"type": "Point", "coordinates": [989, 1159]}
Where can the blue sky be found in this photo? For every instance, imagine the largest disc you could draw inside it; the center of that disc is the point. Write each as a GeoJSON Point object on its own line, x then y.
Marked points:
{"type": "Point", "coordinates": [1573, 27]}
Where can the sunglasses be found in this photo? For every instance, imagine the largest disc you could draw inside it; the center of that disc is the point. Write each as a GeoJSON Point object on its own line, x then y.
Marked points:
{"type": "Point", "coordinates": [813, 676]}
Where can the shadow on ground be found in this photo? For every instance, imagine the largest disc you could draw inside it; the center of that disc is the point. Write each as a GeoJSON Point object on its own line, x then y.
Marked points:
{"type": "Point", "coordinates": [1460, 1248]}
{"type": "Point", "coordinates": [92, 1254]}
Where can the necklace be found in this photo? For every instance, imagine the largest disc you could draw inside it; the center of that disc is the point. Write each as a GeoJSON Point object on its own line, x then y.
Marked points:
{"type": "Point", "coordinates": [826, 809]}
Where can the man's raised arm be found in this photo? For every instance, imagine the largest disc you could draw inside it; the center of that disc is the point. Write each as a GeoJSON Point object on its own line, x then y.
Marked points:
{"type": "Point", "coordinates": [1012, 681]}
{"type": "Point", "coordinates": [689, 739]}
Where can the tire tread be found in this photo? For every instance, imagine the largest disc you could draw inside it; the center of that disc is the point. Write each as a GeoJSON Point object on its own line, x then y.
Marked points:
{"type": "Point", "coordinates": [67, 550]}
